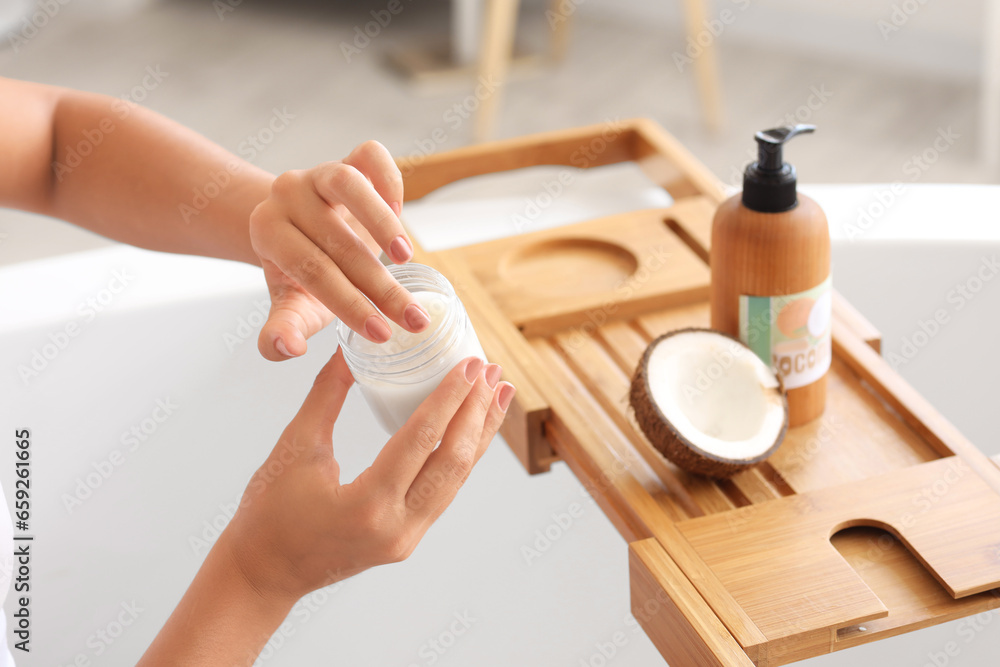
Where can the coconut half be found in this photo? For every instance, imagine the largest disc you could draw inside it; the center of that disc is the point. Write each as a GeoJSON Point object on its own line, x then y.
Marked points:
{"type": "Point", "coordinates": [708, 403]}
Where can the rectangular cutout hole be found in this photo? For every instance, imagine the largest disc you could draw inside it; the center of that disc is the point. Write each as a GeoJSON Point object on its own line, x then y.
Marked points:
{"type": "Point", "coordinates": [736, 497]}
{"type": "Point", "coordinates": [851, 631]}
{"type": "Point", "coordinates": [688, 240]}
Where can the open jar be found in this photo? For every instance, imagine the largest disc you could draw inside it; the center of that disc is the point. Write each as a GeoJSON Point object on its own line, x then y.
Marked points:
{"type": "Point", "coordinates": [396, 376]}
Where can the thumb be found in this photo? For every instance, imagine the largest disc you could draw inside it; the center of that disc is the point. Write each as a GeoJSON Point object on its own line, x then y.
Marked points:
{"type": "Point", "coordinates": [295, 316]}
{"type": "Point", "coordinates": [283, 336]}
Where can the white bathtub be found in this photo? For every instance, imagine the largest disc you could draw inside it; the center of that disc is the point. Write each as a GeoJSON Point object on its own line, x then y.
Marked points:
{"type": "Point", "coordinates": [142, 532]}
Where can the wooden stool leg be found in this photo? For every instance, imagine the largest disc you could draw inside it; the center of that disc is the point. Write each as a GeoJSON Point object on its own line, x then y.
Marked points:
{"type": "Point", "coordinates": [559, 25]}
{"type": "Point", "coordinates": [494, 61]}
{"type": "Point", "coordinates": [706, 68]}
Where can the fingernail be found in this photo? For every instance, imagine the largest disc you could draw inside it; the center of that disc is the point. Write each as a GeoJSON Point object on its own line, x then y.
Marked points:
{"type": "Point", "coordinates": [506, 396]}
{"type": "Point", "coordinates": [493, 372]}
{"type": "Point", "coordinates": [472, 370]}
{"type": "Point", "coordinates": [416, 317]}
{"type": "Point", "coordinates": [400, 249]}
{"type": "Point", "coordinates": [396, 207]}
{"type": "Point", "coordinates": [377, 329]}
{"type": "Point", "coordinates": [280, 344]}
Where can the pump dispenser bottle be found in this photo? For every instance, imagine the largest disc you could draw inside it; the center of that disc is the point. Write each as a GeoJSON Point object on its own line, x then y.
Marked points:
{"type": "Point", "coordinates": [771, 287]}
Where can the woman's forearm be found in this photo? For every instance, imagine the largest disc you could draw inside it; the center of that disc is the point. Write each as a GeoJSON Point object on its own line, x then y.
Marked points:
{"type": "Point", "coordinates": [149, 181]}
{"type": "Point", "coordinates": [134, 176]}
{"type": "Point", "coordinates": [221, 620]}
{"type": "Point", "coordinates": [130, 174]}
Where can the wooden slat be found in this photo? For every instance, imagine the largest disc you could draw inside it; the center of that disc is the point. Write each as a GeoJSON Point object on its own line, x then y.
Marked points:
{"type": "Point", "coordinates": [598, 481]}
{"type": "Point", "coordinates": [606, 382]}
{"type": "Point", "coordinates": [675, 616]}
{"type": "Point", "coordinates": [659, 322]}
{"type": "Point", "coordinates": [590, 146]}
{"type": "Point", "coordinates": [625, 345]}
{"type": "Point", "coordinates": [755, 486]}
{"type": "Point", "coordinates": [598, 421]}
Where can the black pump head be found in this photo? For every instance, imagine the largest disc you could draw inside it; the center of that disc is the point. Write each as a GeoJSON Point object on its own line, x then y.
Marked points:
{"type": "Point", "coordinates": [769, 184]}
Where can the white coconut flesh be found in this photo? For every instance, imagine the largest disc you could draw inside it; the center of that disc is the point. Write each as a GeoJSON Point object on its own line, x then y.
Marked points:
{"type": "Point", "coordinates": [717, 394]}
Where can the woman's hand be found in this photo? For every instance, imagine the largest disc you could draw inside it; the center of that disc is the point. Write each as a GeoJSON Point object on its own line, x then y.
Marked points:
{"type": "Point", "coordinates": [299, 529]}
{"type": "Point", "coordinates": [155, 184]}
{"type": "Point", "coordinates": [318, 235]}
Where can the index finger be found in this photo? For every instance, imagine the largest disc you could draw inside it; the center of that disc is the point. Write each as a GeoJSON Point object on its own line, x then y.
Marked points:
{"type": "Point", "coordinates": [322, 405]}
{"type": "Point", "coordinates": [374, 162]}
{"type": "Point", "coordinates": [402, 458]}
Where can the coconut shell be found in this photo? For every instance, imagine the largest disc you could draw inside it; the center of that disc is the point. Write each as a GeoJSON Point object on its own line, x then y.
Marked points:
{"type": "Point", "coordinates": [669, 441]}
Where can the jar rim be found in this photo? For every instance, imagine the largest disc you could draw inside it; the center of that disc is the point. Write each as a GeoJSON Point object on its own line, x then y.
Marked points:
{"type": "Point", "coordinates": [384, 366]}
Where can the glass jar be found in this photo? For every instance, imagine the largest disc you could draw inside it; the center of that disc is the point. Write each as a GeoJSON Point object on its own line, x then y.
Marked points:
{"type": "Point", "coordinates": [396, 376]}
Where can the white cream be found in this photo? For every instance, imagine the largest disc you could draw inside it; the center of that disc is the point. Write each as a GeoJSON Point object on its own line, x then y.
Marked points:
{"type": "Point", "coordinates": [395, 377]}
{"type": "Point", "coordinates": [436, 305]}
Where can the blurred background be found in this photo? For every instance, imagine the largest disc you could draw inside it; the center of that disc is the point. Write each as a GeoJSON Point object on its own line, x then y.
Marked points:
{"type": "Point", "coordinates": [879, 77]}
{"type": "Point", "coordinates": [901, 90]}
{"type": "Point", "coordinates": [882, 79]}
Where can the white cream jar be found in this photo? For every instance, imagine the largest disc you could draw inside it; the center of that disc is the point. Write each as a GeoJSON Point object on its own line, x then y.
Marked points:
{"type": "Point", "coordinates": [396, 376]}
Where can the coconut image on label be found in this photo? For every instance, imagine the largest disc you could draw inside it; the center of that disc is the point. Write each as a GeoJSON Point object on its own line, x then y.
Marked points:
{"type": "Point", "coordinates": [708, 403]}
{"type": "Point", "coordinates": [794, 317]}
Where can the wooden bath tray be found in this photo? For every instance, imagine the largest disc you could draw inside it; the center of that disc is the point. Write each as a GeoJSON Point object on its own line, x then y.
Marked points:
{"type": "Point", "coordinates": [876, 519]}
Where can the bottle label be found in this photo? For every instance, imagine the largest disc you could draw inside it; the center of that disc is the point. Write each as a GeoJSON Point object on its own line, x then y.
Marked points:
{"type": "Point", "coordinates": [790, 332]}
